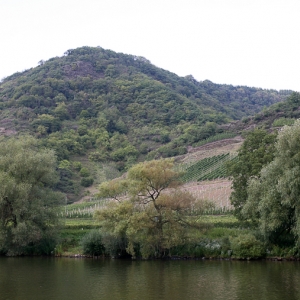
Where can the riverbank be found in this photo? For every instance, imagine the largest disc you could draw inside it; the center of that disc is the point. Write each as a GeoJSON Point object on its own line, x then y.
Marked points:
{"type": "Point", "coordinates": [274, 259]}
{"type": "Point", "coordinates": [224, 238]}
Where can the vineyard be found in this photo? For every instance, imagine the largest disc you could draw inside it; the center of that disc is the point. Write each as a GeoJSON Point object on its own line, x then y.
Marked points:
{"type": "Point", "coordinates": [217, 192]}
{"type": "Point", "coordinates": [210, 171]}
{"type": "Point", "coordinates": [209, 168]}
{"type": "Point", "coordinates": [84, 209]}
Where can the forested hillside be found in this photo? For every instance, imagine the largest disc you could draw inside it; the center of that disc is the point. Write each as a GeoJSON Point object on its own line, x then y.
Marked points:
{"type": "Point", "coordinates": [275, 116]}
{"type": "Point", "coordinates": [96, 107]}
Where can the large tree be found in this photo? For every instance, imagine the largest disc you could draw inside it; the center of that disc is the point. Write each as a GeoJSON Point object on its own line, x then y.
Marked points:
{"type": "Point", "coordinates": [27, 200]}
{"type": "Point", "coordinates": [256, 152]}
{"type": "Point", "coordinates": [153, 213]}
{"type": "Point", "coordinates": [273, 197]}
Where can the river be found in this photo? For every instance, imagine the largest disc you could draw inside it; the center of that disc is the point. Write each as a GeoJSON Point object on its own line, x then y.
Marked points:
{"type": "Point", "coordinates": [69, 278]}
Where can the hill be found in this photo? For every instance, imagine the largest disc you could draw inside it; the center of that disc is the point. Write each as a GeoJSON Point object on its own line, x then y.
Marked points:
{"type": "Point", "coordinates": [102, 111]}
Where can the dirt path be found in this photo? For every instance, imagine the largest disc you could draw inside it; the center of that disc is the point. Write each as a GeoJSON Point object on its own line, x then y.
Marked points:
{"type": "Point", "coordinates": [211, 149]}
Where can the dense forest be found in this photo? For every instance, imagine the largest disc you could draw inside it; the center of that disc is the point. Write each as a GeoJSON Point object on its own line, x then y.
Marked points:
{"type": "Point", "coordinates": [96, 105]}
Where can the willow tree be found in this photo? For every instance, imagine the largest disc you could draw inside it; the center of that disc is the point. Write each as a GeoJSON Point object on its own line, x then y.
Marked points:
{"type": "Point", "coordinates": [274, 197]}
{"type": "Point", "coordinates": [256, 152]}
{"type": "Point", "coordinates": [27, 200]}
{"type": "Point", "coordinates": [154, 213]}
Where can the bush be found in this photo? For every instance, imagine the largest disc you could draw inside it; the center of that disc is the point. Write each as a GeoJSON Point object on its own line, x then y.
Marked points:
{"type": "Point", "coordinates": [84, 172]}
{"type": "Point", "coordinates": [87, 181]}
{"type": "Point", "coordinates": [283, 121]}
{"type": "Point", "coordinates": [77, 165]}
{"type": "Point", "coordinates": [247, 246]}
{"type": "Point", "coordinates": [92, 243]}
{"type": "Point", "coordinates": [97, 156]}
{"type": "Point", "coordinates": [205, 247]}
{"type": "Point", "coordinates": [115, 246]}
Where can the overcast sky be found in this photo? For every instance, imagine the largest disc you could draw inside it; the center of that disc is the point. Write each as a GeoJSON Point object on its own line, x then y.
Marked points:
{"type": "Point", "coordinates": [239, 42]}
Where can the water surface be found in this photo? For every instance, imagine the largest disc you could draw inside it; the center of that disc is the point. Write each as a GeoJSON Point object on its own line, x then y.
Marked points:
{"type": "Point", "coordinates": [69, 278]}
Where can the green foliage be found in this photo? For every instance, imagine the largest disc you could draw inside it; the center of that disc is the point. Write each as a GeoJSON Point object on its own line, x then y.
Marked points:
{"type": "Point", "coordinates": [115, 245]}
{"type": "Point", "coordinates": [71, 237]}
{"type": "Point", "coordinates": [97, 156]}
{"type": "Point", "coordinates": [203, 248]}
{"type": "Point", "coordinates": [87, 181]}
{"type": "Point", "coordinates": [27, 201]}
{"type": "Point", "coordinates": [273, 201]}
{"type": "Point", "coordinates": [84, 172]}
{"type": "Point", "coordinates": [216, 137]}
{"type": "Point", "coordinates": [92, 243]}
{"type": "Point", "coordinates": [169, 150]}
{"type": "Point", "coordinates": [149, 217]}
{"type": "Point", "coordinates": [115, 107]}
{"type": "Point", "coordinates": [61, 110]}
{"type": "Point", "coordinates": [280, 114]}
{"type": "Point", "coordinates": [115, 188]}
{"type": "Point", "coordinates": [256, 152]}
{"type": "Point", "coordinates": [50, 123]}
{"type": "Point", "coordinates": [77, 165]}
{"type": "Point", "coordinates": [283, 121]}
{"type": "Point", "coordinates": [247, 246]}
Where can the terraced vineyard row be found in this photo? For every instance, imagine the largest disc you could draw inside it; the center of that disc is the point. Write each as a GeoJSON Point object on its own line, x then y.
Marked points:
{"type": "Point", "coordinates": [208, 168]}
{"type": "Point", "coordinates": [83, 210]}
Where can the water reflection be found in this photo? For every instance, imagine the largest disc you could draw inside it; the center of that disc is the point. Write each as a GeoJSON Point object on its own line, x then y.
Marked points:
{"type": "Point", "coordinates": [65, 278]}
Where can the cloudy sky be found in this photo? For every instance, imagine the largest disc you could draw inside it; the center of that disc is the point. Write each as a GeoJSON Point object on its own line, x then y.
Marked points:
{"type": "Point", "coordinates": [238, 42]}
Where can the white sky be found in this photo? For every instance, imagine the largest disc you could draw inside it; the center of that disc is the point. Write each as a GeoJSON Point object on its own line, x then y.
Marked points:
{"type": "Point", "coordinates": [240, 42]}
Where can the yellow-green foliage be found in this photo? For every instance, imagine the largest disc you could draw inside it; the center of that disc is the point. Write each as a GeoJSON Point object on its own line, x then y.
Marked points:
{"type": "Point", "coordinates": [155, 215]}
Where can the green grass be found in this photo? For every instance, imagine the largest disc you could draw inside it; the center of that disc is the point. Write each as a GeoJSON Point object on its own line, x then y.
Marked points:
{"type": "Point", "coordinates": [71, 234]}
{"type": "Point", "coordinates": [80, 222]}
{"type": "Point", "coordinates": [213, 219]}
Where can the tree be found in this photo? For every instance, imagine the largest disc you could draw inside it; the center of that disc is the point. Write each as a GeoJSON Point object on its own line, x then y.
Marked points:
{"type": "Point", "coordinates": [27, 201]}
{"type": "Point", "coordinates": [156, 213]}
{"type": "Point", "coordinates": [256, 151]}
{"type": "Point", "coordinates": [273, 197]}
{"type": "Point", "coordinates": [61, 111]}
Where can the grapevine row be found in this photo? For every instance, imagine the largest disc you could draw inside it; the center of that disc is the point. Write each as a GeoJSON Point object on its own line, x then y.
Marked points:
{"type": "Point", "coordinates": [208, 168]}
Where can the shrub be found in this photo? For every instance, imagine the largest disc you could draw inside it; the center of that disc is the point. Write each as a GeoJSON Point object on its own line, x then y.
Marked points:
{"type": "Point", "coordinates": [115, 245]}
{"type": "Point", "coordinates": [205, 247]}
{"type": "Point", "coordinates": [247, 246]}
{"type": "Point", "coordinates": [77, 165]}
{"type": "Point", "coordinates": [87, 181]}
{"type": "Point", "coordinates": [92, 243]}
{"type": "Point", "coordinates": [84, 172]}
{"type": "Point", "coordinates": [283, 121]}
{"type": "Point", "coordinates": [97, 156]}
